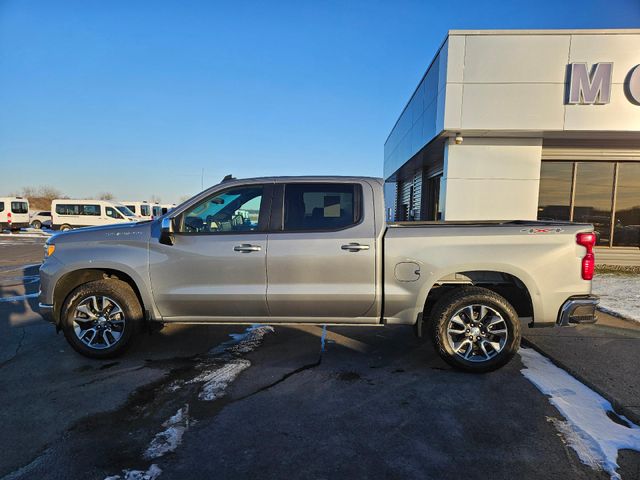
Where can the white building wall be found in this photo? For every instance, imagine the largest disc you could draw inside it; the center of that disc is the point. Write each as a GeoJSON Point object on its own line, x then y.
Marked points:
{"type": "Point", "coordinates": [492, 178]}
{"type": "Point", "coordinates": [507, 82]}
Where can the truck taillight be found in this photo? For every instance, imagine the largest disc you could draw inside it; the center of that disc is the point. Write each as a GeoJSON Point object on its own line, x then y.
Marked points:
{"type": "Point", "coordinates": [588, 241]}
{"type": "Point", "coordinates": [8, 217]}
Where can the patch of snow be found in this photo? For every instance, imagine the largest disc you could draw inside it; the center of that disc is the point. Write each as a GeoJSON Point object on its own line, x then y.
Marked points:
{"type": "Point", "coordinates": [151, 474]}
{"type": "Point", "coordinates": [18, 298]}
{"type": "Point", "coordinates": [170, 438]}
{"type": "Point", "coordinates": [619, 294]}
{"type": "Point", "coordinates": [243, 342]}
{"type": "Point", "coordinates": [595, 438]}
{"type": "Point", "coordinates": [217, 380]}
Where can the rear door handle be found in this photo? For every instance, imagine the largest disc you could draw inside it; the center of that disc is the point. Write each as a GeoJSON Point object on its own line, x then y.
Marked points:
{"type": "Point", "coordinates": [354, 247]}
{"type": "Point", "coordinates": [247, 248]}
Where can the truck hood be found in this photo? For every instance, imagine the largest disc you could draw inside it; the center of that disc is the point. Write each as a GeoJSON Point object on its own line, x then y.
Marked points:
{"type": "Point", "coordinates": [118, 232]}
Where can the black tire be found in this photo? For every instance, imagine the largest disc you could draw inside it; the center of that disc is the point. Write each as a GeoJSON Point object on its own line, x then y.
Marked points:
{"type": "Point", "coordinates": [118, 293]}
{"type": "Point", "coordinates": [36, 224]}
{"type": "Point", "coordinates": [451, 305]}
{"type": "Point", "coordinates": [65, 228]}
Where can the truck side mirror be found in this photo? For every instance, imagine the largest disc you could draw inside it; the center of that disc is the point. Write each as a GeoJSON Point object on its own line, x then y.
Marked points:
{"type": "Point", "coordinates": [166, 232]}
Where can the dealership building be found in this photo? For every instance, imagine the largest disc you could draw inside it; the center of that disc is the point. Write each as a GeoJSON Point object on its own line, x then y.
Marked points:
{"type": "Point", "coordinates": [540, 124]}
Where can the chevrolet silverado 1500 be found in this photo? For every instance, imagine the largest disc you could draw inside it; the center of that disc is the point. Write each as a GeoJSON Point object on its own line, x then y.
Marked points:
{"type": "Point", "coordinates": [317, 250]}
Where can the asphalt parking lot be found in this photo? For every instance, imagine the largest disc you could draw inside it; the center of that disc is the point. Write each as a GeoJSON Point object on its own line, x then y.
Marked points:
{"type": "Point", "coordinates": [193, 402]}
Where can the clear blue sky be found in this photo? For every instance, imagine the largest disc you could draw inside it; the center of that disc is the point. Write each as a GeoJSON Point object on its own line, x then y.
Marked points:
{"type": "Point", "coordinates": [136, 97]}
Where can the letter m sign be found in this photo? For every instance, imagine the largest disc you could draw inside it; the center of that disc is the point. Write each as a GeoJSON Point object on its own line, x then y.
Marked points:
{"type": "Point", "coordinates": [590, 88]}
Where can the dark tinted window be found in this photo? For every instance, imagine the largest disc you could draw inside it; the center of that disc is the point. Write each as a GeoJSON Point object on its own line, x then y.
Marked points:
{"type": "Point", "coordinates": [113, 213]}
{"type": "Point", "coordinates": [317, 206]}
{"type": "Point", "coordinates": [555, 190]}
{"type": "Point", "coordinates": [234, 210]}
{"type": "Point", "coordinates": [145, 211]}
{"type": "Point", "coordinates": [19, 207]}
{"type": "Point", "coordinates": [627, 225]}
{"type": "Point", "coordinates": [594, 196]}
{"type": "Point", "coordinates": [71, 209]}
{"type": "Point", "coordinates": [1, 206]}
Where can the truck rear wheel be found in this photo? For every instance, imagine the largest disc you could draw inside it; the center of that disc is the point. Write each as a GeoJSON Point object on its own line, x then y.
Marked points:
{"type": "Point", "coordinates": [100, 318]}
{"type": "Point", "coordinates": [475, 329]}
{"type": "Point", "coordinates": [65, 228]}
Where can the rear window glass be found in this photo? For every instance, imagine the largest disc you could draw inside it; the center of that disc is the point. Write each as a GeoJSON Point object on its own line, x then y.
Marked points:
{"type": "Point", "coordinates": [19, 207]}
{"type": "Point", "coordinates": [145, 211]}
{"type": "Point", "coordinates": [1, 206]}
{"type": "Point", "coordinates": [317, 206]}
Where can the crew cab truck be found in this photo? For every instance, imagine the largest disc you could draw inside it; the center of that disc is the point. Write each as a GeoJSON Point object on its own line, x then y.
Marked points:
{"type": "Point", "coordinates": [317, 250]}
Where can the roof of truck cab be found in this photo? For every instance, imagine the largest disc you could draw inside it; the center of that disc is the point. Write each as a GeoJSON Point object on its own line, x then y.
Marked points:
{"type": "Point", "coordinates": [310, 178]}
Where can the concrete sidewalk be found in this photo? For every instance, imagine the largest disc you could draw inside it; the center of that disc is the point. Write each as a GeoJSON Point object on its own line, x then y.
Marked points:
{"type": "Point", "coordinates": [605, 356]}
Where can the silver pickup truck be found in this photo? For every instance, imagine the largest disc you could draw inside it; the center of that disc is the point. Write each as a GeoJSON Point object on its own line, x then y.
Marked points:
{"type": "Point", "coordinates": [317, 250]}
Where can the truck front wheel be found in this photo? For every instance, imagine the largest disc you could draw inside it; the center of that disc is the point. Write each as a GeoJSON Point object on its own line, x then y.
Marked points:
{"type": "Point", "coordinates": [100, 318]}
{"type": "Point", "coordinates": [475, 329]}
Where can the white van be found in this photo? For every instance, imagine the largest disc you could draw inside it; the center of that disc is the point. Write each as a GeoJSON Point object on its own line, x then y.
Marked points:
{"type": "Point", "coordinates": [167, 207]}
{"type": "Point", "coordinates": [142, 210]}
{"type": "Point", "coordinates": [67, 214]}
{"type": "Point", "coordinates": [14, 213]}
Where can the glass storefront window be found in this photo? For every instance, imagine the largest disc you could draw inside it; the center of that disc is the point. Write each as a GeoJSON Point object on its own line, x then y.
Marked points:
{"type": "Point", "coordinates": [627, 219]}
{"type": "Point", "coordinates": [594, 197]}
{"type": "Point", "coordinates": [555, 191]}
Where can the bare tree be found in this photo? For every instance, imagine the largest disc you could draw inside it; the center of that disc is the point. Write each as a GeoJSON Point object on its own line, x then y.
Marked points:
{"type": "Point", "coordinates": [39, 197]}
{"type": "Point", "coordinates": [105, 196]}
{"type": "Point", "coordinates": [155, 199]}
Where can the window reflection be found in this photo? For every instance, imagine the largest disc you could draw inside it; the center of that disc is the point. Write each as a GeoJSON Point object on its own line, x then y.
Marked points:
{"type": "Point", "coordinates": [593, 197]}
{"type": "Point", "coordinates": [627, 223]}
{"type": "Point", "coordinates": [555, 190]}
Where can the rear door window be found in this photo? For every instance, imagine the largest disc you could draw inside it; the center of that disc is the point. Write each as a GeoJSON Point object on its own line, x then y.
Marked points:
{"type": "Point", "coordinates": [321, 206]}
{"type": "Point", "coordinates": [1, 206]}
{"type": "Point", "coordinates": [19, 207]}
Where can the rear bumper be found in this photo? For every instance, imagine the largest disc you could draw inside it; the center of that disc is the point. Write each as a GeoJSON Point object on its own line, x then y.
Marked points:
{"type": "Point", "coordinates": [578, 310]}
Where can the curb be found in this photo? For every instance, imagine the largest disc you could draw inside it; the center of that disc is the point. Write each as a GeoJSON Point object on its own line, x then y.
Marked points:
{"type": "Point", "coordinates": [618, 408]}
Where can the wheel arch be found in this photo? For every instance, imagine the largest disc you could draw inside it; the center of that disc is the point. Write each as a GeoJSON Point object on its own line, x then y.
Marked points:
{"type": "Point", "coordinates": [506, 284]}
{"type": "Point", "coordinates": [73, 279]}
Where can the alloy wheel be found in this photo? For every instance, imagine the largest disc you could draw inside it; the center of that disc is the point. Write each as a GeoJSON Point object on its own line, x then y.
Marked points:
{"type": "Point", "coordinates": [99, 322]}
{"type": "Point", "coordinates": [477, 333]}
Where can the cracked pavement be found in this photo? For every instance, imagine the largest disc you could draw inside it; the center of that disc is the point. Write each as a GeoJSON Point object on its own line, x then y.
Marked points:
{"type": "Point", "coordinates": [377, 403]}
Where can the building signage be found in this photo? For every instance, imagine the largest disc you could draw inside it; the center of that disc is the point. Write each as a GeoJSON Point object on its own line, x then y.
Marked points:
{"type": "Point", "coordinates": [594, 88]}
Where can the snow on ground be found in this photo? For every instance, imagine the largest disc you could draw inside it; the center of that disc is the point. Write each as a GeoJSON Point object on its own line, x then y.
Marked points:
{"type": "Point", "coordinates": [217, 380]}
{"type": "Point", "coordinates": [587, 428]}
{"type": "Point", "coordinates": [619, 294]}
{"type": "Point", "coordinates": [170, 438]}
{"type": "Point", "coordinates": [151, 474]}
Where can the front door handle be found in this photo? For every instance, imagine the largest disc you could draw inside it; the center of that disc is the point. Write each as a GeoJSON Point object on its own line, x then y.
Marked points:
{"type": "Point", "coordinates": [247, 248]}
{"type": "Point", "coordinates": [354, 247]}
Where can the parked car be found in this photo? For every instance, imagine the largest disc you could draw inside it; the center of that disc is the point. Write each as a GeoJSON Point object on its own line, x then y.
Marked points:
{"type": "Point", "coordinates": [331, 259]}
{"type": "Point", "coordinates": [14, 213]}
{"type": "Point", "coordinates": [67, 214]}
{"type": "Point", "coordinates": [39, 219]}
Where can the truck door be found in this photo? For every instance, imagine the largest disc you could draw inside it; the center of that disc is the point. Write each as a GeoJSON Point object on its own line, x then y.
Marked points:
{"type": "Point", "coordinates": [322, 253]}
{"type": "Point", "coordinates": [217, 264]}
